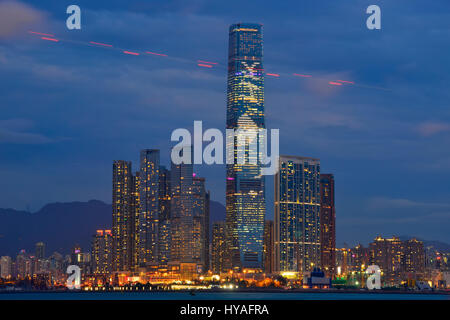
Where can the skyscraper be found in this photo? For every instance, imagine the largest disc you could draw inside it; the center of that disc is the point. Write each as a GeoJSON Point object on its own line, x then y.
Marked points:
{"type": "Point", "coordinates": [201, 222]}
{"type": "Point", "coordinates": [413, 263]}
{"type": "Point", "coordinates": [40, 250]}
{"type": "Point", "coordinates": [218, 247]}
{"type": "Point", "coordinates": [136, 209]}
{"type": "Point", "coordinates": [101, 252]}
{"type": "Point", "coordinates": [399, 260]}
{"type": "Point", "coordinates": [23, 265]}
{"type": "Point", "coordinates": [123, 216]}
{"type": "Point", "coordinates": [327, 224]}
{"type": "Point", "coordinates": [387, 254]}
{"type": "Point", "coordinates": [149, 208]}
{"type": "Point", "coordinates": [268, 246]}
{"type": "Point", "coordinates": [5, 267]}
{"type": "Point", "coordinates": [297, 221]}
{"type": "Point", "coordinates": [164, 215]}
{"type": "Point", "coordinates": [245, 194]}
{"type": "Point", "coordinates": [182, 214]}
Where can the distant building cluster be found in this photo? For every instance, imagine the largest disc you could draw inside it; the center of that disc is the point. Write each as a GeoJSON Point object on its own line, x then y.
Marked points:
{"type": "Point", "coordinates": [39, 269]}
{"type": "Point", "coordinates": [402, 262]}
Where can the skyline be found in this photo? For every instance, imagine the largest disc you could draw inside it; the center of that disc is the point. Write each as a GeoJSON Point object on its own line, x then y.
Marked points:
{"type": "Point", "coordinates": [377, 189]}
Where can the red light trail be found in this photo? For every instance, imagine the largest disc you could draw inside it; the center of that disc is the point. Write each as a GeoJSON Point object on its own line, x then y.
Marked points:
{"type": "Point", "coordinates": [302, 75]}
{"type": "Point", "coordinates": [101, 44]}
{"type": "Point", "coordinates": [41, 34]}
{"type": "Point", "coordinates": [130, 52]}
{"type": "Point", "coordinates": [202, 61]}
{"type": "Point", "coordinates": [50, 39]}
{"type": "Point", "coordinates": [345, 81]}
{"type": "Point", "coordinates": [156, 54]}
{"type": "Point", "coordinates": [199, 63]}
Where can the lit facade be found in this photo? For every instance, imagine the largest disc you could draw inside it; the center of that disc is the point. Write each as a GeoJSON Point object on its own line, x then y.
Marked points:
{"type": "Point", "coordinates": [149, 207]}
{"type": "Point", "coordinates": [218, 251]}
{"type": "Point", "coordinates": [136, 209]}
{"type": "Point", "coordinates": [101, 251]}
{"type": "Point", "coordinates": [413, 259]}
{"type": "Point", "coordinates": [398, 260]}
{"type": "Point", "coordinates": [268, 247]}
{"type": "Point", "coordinates": [164, 215]}
{"type": "Point", "coordinates": [123, 216]}
{"type": "Point", "coordinates": [359, 258]}
{"type": "Point", "coordinates": [5, 267]}
{"type": "Point", "coordinates": [182, 213]}
{"type": "Point", "coordinates": [245, 193]}
{"type": "Point", "coordinates": [297, 220]}
{"type": "Point", "coordinates": [40, 250]}
{"type": "Point", "coordinates": [327, 225]}
{"type": "Point", "coordinates": [200, 208]}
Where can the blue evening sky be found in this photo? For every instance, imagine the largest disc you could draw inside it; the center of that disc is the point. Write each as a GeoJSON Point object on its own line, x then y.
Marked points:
{"type": "Point", "coordinates": [69, 109]}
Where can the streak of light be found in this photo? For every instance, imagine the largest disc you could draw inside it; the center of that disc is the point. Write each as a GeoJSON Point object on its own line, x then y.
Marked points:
{"type": "Point", "coordinates": [200, 63]}
{"type": "Point", "coordinates": [131, 52]}
{"type": "Point", "coordinates": [208, 62]}
{"type": "Point", "coordinates": [50, 39]}
{"type": "Point", "coordinates": [42, 34]}
{"type": "Point", "coordinates": [345, 81]}
{"type": "Point", "coordinates": [101, 44]}
{"type": "Point", "coordinates": [156, 54]}
{"type": "Point", "coordinates": [302, 75]}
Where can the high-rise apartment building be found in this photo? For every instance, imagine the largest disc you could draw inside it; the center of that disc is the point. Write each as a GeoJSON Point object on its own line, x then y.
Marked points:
{"type": "Point", "coordinates": [40, 250]}
{"type": "Point", "coordinates": [200, 206]}
{"type": "Point", "coordinates": [297, 220]}
{"type": "Point", "coordinates": [23, 265]}
{"type": "Point", "coordinates": [268, 247]}
{"type": "Point", "coordinates": [218, 252]}
{"type": "Point", "coordinates": [149, 207]}
{"type": "Point", "coordinates": [327, 225]}
{"type": "Point", "coordinates": [164, 215]}
{"type": "Point", "coordinates": [136, 209]}
{"type": "Point", "coordinates": [359, 258]}
{"type": "Point", "coordinates": [5, 267]}
{"type": "Point", "coordinates": [413, 259]}
{"type": "Point", "coordinates": [245, 193]}
{"type": "Point", "coordinates": [123, 216]}
{"type": "Point", "coordinates": [102, 252]}
{"type": "Point", "coordinates": [182, 213]}
{"type": "Point", "coordinates": [398, 260]}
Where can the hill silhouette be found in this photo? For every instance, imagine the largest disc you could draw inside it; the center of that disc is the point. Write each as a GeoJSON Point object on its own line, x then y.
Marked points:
{"type": "Point", "coordinates": [62, 225]}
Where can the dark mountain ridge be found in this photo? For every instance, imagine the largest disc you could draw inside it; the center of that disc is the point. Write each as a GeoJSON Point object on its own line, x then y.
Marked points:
{"type": "Point", "coordinates": [62, 225]}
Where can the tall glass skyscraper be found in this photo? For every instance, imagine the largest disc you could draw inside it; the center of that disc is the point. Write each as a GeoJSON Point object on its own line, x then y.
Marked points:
{"type": "Point", "coordinates": [245, 194]}
{"type": "Point", "coordinates": [297, 219]}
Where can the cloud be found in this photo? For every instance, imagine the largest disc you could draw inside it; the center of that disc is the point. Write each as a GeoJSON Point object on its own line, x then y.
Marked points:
{"type": "Point", "coordinates": [15, 17]}
{"type": "Point", "coordinates": [13, 131]}
{"type": "Point", "coordinates": [402, 203]}
{"type": "Point", "coordinates": [428, 129]}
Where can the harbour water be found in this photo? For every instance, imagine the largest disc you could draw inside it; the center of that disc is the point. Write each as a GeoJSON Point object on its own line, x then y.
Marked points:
{"type": "Point", "coordinates": [220, 296]}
